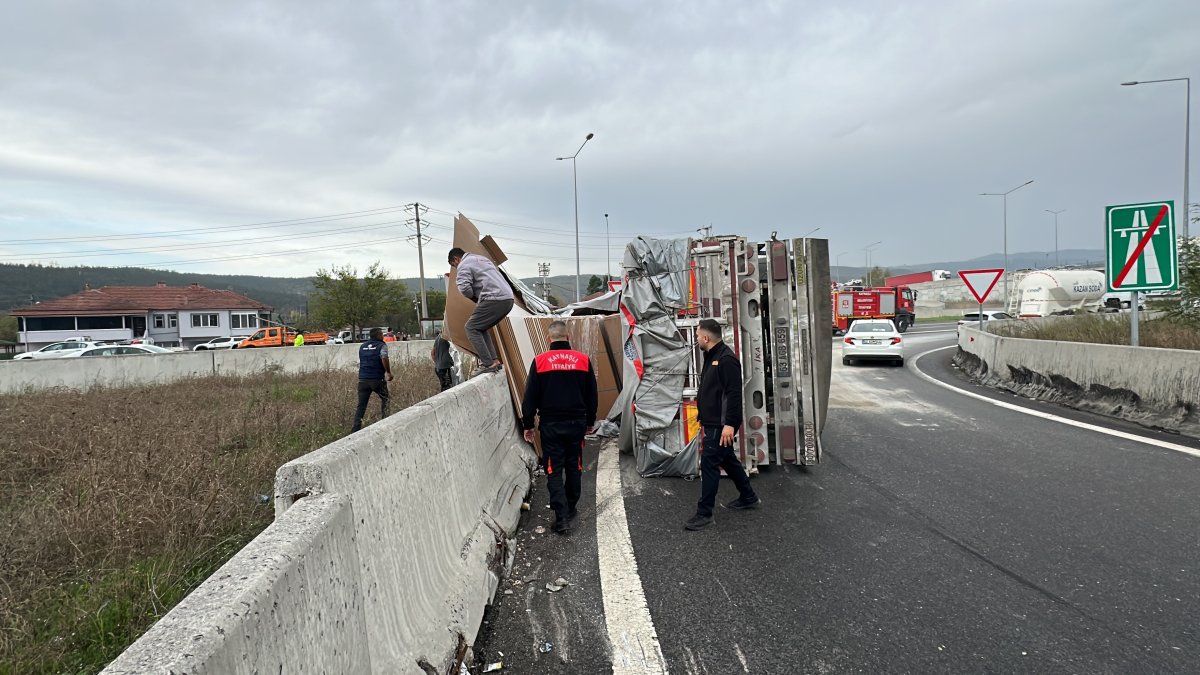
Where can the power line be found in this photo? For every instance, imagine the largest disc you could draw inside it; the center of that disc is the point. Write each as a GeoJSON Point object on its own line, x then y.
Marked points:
{"type": "Point", "coordinates": [98, 253]}
{"type": "Point", "coordinates": [553, 230]}
{"type": "Point", "coordinates": [271, 255]}
{"type": "Point", "coordinates": [173, 233]}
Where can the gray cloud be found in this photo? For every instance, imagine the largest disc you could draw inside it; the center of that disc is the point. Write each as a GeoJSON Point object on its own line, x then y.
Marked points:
{"type": "Point", "coordinates": [870, 120]}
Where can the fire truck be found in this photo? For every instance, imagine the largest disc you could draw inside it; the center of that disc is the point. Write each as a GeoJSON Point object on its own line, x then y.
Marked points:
{"type": "Point", "coordinates": [897, 303]}
{"type": "Point", "coordinates": [772, 301]}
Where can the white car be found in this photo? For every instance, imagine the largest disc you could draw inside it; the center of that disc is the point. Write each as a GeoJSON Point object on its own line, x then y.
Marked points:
{"type": "Point", "coordinates": [57, 350]}
{"type": "Point", "coordinates": [219, 343]}
{"type": "Point", "coordinates": [988, 315]}
{"type": "Point", "coordinates": [872, 340]}
{"type": "Point", "coordinates": [119, 350]}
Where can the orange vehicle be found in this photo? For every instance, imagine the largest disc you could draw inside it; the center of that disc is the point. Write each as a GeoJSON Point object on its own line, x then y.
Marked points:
{"type": "Point", "coordinates": [280, 336]}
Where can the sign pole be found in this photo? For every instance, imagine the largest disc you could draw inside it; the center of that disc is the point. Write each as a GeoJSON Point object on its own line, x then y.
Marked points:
{"type": "Point", "coordinates": [1133, 319]}
{"type": "Point", "coordinates": [981, 316]}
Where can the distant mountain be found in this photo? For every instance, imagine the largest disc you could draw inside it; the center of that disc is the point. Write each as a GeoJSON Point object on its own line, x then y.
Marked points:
{"type": "Point", "coordinates": [21, 284]}
{"type": "Point", "coordinates": [1016, 261]}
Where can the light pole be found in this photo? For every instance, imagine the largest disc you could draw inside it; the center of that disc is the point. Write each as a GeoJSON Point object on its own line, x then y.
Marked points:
{"type": "Point", "coordinates": [607, 254]}
{"type": "Point", "coordinates": [813, 231]}
{"type": "Point", "coordinates": [575, 181]}
{"type": "Point", "coordinates": [867, 261]}
{"type": "Point", "coordinates": [839, 266]}
{"type": "Point", "coordinates": [1056, 263]}
{"type": "Point", "coordinates": [1005, 196]}
{"type": "Point", "coordinates": [1187, 140]}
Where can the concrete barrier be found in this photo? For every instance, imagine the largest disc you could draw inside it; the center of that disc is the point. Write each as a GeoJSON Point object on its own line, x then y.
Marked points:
{"type": "Point", "coordinates": [1155, 387]}
{"type": "Point", "coordinates": [283, 604]}
{"type": "Point", "coordinates": [81, 374]}
{"type": "Point", "coordinates": [428, 500]}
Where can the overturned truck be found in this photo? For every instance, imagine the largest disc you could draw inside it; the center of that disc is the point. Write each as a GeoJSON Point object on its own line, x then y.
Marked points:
{"type": "Point", "coordinates": [772, 300]}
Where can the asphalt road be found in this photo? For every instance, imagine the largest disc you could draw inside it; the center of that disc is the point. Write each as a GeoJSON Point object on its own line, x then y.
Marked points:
{"type": "Point", "coordinates": [940, 534]}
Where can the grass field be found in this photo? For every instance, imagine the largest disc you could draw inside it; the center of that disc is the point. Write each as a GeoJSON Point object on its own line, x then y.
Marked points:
{"type": "Point", "coordinates": [1105, 329]}
{"type": "Point", "coordinates": [114, 504]}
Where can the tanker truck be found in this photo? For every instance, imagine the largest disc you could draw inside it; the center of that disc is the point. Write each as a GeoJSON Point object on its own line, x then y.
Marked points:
{"type": "Point", "coordinates": [1050, 292]}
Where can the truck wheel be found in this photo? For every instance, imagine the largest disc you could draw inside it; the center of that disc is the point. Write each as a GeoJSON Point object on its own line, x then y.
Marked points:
{"type": "Point", "coordinates": [901, 325]}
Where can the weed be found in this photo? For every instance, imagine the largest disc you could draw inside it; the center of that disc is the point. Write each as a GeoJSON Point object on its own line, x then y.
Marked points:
{"type": "Point", "coordinates": [1105, 329]}
{"type": "Point", "coordinates": [116, 503]}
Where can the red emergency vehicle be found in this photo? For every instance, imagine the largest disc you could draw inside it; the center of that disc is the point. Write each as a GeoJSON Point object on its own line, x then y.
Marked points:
{"type": "Point", "coordinates": [897, 303]}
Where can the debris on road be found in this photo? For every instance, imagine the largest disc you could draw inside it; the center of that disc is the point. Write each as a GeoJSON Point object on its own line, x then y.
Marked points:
{"type": "Point", "coordinates": [557, 585]}
{"type": "Point", "coordinates": [540, 529]}
{"type": "Point", "coordinates": [494, 667]}
{"type": "Point", "coordinates": [546, 648]}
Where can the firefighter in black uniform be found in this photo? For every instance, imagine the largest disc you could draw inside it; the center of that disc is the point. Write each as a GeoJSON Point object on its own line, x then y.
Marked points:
{"type": "Point", "coordinates": [561, 391]}
{"type": "Point", "coordinates": [720, 411]}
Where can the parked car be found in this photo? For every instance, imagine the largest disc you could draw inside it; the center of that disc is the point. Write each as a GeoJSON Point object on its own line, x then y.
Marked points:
{"type": "Point", "coordinates": [336, 341]}
{"type": "Point", "coordinates": [872, 340]}
{"type": "Point", "coordinates": [219, 343]}
{"type": "Point", "coordinates": [119, 350]}
{"type": "Point", "coordinates": [57, 350]}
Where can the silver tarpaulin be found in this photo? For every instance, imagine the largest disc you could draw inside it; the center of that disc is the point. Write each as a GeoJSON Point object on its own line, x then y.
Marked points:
{"type": "Point", "coordinates": [656, 357]}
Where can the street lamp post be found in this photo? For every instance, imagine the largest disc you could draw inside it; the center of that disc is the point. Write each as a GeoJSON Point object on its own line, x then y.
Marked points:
{"type": "Point", "coordinates": [607, 253]}
{"type": "Point", "coordinates": [575, 182]}
{"type": "Point", "coordinates": [1187, 140]}
{"type": "Point", "coordinates": [839, 266]}
{"type": "Point", "coordinates": [1005, 196]}
{"type": "Point", "coordinates": [867, 262]}
{"type": "Point", "coordinates": [813, 231]}
{"type": "Point", "coordinates": [1056, 263]}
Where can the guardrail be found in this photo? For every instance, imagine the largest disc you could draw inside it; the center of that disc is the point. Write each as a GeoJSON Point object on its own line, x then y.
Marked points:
{"type": "Point", "coordinates": [386, 548]}
{"type": "Point", "coordinates": [81, 374]}
{"type": "Point", "coordinates": [1156, 387]}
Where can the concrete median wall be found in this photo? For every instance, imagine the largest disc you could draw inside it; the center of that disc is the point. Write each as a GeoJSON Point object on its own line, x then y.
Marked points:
{"type": "Point", "coordinates": [81, 374]}
{"type": "Point", "coordinates": [399, 533]}
{"type": "Point", "coordinates": [1155, 387]}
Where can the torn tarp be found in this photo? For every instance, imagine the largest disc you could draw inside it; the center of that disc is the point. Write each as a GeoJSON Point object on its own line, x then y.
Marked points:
{"type": "Point", "coordinates": [656, 358]}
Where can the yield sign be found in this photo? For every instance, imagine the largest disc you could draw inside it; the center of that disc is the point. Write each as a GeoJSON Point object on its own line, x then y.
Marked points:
{"type": "Point", "coordinates": [981, 282]}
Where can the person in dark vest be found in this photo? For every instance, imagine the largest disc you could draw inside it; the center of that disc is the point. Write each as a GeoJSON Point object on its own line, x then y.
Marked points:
{"type": "Point", "coordinates": [478, 280]}
{"type": "Point", "coordinates": [561, 391]}
{"type": "Point", "coordinates": [443, 363]}
{"type": "Point", "coordinates": [719, 408]}
{"type": "Point", "coordinates": [374, 372]}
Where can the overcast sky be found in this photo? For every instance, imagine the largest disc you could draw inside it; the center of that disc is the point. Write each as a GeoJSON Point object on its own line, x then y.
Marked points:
{"type": "Point", "coordinates": [870, 120]}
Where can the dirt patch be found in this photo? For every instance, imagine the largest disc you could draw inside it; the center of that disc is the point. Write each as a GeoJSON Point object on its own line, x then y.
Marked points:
{"type": "Point", "coordinates": [116, 503]}
{"type": "Point", "coordinates": [1095, 398]}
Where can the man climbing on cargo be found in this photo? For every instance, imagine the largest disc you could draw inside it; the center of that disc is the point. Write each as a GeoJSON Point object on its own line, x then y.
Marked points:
{"type": "Point", "coordinates": [719, 408]}
{"type": "Point", "coordinates": [561, 391]}
{"type": "Point", "coordinates": [374, 372]}
{"type": "Point", "coordinates": [478, 280]}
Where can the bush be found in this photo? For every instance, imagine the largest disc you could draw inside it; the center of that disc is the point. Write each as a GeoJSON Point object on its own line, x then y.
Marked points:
{"type": "Point", "coordinates": [1106, 329]}
{"type": "Point", "coordinates": [116, 503]}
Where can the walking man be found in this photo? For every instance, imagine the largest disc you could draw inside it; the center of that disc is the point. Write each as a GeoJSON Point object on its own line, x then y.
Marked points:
{"type": "Point", "coordinates": [561, 391]}
{"type": "Point", "coordinates": [299, 341]}
{"type": "Point", "coordinates": [479, 280]}
{"type": "Point", "coordinates": [374, 372]}
{"type": "Point", "coordinates": [720, 413]}
{"type": "Point", "coordinates": [443, 364]}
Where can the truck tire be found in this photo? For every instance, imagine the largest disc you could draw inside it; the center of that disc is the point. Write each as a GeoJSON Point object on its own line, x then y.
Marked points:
{"type": "Point", "coordinates": [902, 324]}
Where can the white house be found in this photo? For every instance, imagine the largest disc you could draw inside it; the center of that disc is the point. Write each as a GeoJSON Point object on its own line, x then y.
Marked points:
{"type": "Point", "coordinates": [170, 315]}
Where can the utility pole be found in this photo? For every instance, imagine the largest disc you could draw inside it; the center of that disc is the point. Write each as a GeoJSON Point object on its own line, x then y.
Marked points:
{"type": "Point", "coordinates": [607, 254]}
{"type": "Point", "coordinates": [417, 210]}
{"type": "Point", "coordinates": [544, 273]}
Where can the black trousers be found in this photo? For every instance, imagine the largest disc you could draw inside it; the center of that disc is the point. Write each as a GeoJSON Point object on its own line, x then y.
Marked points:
{"type": "Point", "coordinates": [365, 389]}
{"type": "Point", "coordinates": [716, 457]}
{"type": "Point", "coordinates": [562, 447]}
{"type": "Point", "coordinates": [445, 377]}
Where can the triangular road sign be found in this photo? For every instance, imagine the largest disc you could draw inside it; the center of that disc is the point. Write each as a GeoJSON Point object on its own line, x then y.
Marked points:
{"type": "Point", "coordinates": [981, 282]}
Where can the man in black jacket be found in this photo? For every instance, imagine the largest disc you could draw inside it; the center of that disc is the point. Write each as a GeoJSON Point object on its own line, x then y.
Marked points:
{"type": "Point", "coordinates": [561, 390]}
{"type": "Point", "coordinates": [720, 411]}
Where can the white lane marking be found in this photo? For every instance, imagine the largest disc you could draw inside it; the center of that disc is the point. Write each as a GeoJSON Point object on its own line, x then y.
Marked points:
{"type": "Point", "coordinates": [631, 634]}
{"type": "Point", "coordinates": [741, 657]}
{"type": "Point", "coordinates": [1047, 416]}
